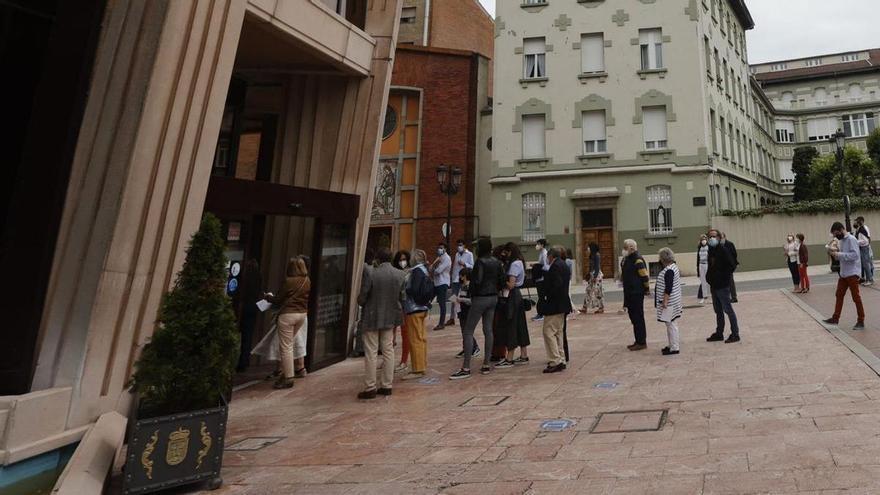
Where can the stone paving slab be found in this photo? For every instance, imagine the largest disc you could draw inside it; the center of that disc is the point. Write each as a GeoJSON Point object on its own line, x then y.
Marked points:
{"type": "Point", "coordinates": [788, 410]}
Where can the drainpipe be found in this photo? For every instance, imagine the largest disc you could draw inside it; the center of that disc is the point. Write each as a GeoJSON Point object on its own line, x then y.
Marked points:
{"type": "Point", "coordinates": [427, 21]}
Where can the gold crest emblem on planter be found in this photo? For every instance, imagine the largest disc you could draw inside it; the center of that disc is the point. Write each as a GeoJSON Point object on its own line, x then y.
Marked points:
{"type": "Point", "coordinates": [146, 462]}
{"type": "Point", "coordinates": [178, 444]}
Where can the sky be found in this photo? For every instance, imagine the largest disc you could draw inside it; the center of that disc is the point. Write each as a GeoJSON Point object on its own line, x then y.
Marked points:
{"type": "Point", "coordinates": [787, 29]}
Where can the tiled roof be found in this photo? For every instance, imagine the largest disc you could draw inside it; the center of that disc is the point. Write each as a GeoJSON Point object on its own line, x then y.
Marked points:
{"type": "Point", "coordinates": [872, 62]}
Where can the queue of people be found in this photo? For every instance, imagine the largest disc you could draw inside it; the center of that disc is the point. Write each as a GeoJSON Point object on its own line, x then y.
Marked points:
{"type": "Point", "coordinates": [485, 288]}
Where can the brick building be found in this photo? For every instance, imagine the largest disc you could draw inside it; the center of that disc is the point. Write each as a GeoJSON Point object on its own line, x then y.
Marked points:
{"type": "Point", "coordinates": [440, 83]}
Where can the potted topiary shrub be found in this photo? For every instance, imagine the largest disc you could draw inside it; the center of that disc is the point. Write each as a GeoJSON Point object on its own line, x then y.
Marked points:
{"type": "Point", "coordinates": [183, 376]}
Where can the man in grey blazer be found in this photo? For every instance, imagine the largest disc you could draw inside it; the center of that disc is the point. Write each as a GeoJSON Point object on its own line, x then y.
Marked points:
{"type": "Point", "coordinates": [380, 299]}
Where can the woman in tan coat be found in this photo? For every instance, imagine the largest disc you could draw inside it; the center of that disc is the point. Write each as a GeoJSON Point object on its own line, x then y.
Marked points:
{"type": "Point", "coordinates": [294, 302]}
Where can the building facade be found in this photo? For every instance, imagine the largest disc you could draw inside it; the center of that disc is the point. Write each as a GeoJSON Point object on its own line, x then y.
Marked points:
{"type": "Point", "coordinates": [140, 117]}
{"type": "Point", "coordinates": [441, 81]}
{"type": "Point", "coordinates": [814, 97]}
{"type": "Point", "coordinates": [616, 120]}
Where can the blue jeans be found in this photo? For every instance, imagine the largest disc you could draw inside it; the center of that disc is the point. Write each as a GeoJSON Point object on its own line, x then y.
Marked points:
{"type": "Point", "coordinates": [867, 264]}
{"type": "Point", "coordinates": [440, 292]}
{"type": "Point", "coordinates": [722, 305]}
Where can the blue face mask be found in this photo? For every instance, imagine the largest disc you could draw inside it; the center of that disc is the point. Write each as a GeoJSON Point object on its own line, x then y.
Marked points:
{"type": "Point", "coordinates": [713, 242]}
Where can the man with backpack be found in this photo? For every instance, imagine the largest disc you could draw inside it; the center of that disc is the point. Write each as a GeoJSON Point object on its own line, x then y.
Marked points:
{"type": "Point", "coordinates": [416, 297]}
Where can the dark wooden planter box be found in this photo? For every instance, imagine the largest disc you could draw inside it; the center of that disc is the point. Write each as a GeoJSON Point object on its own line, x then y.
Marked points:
{"type": "Point", "coordinates": [174, 450]}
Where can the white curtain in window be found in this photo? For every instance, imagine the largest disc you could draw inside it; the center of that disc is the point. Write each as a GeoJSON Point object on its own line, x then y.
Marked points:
{"type": "Point", "coordinates": [651, 43]}
{"type": "Point", "coordinates": [654, 124]}
{"type": "Point", "coordinates": [659, 209]}
{"type": "Point", "coordinates": [533, 209]}
{"type": "Point", "coordinates": [593, 52]}
{"type": "Point", "coordinates": [534, 50]}
{"type": "Point", "coordinates": [533, 136]}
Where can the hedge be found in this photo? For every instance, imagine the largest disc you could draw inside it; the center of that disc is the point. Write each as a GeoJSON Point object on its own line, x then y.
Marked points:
{"type": "Point", "coordinates": [816, 206]}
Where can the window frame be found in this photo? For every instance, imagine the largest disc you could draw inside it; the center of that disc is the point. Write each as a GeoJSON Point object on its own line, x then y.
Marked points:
{"type": "Point", "coordinates": [533, 202]}
{"type": "Point", "coordinates": [651, 59]}
{"type": "Point", "coordinates": [539, 70]}
{"type": "Point", "coordinates": [659, 196]}
{"type": "Point", "coordinates": [600, 146]}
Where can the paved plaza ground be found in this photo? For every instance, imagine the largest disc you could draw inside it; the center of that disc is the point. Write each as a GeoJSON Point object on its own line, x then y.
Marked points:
{"type": "Point", "coordinates": [790, 409]}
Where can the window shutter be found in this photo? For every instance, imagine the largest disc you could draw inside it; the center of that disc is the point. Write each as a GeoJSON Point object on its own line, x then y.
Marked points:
{"type": "Point", "coordinates": [593, 52]}
{"type": "Point", "coordinates": [533, 46]}
{"type": "Point", "coordinates": [594, 125]}
{"type": "Point", "coordinates": [533, 136]}
{"type": "Point", "coordinates": [654, 123]}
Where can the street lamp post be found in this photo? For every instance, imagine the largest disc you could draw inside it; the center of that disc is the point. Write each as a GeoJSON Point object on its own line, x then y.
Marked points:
{"type": "Point", "coordinates": [839, 141]}
{"type": "Point", "coordinates": [449, 179]}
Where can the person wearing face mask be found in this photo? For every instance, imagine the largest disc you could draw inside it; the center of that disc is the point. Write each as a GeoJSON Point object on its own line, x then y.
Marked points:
{"type": "Point", "coordinates": [722, 264]}
{"type": "Point", "coordinates": [636, 285]}
{"type": "Point", "coordinates": [791, 248]}
{"type": "Point", "coordinates": [850, 270]}
{"type": "Point", "coordinates": [463, 259]}
{"type": "Point", "coordinates": [441, 270]}
{"type": "Point", "coordinates": [702, 268]}
{"type": "Point", "coordinates": [401, 262]}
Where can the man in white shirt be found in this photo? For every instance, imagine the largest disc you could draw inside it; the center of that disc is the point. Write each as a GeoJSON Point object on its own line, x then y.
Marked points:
{"type": "Point", "coordinates": [463, 259]}
{"type": "Point", "coordinates": [440, 271]}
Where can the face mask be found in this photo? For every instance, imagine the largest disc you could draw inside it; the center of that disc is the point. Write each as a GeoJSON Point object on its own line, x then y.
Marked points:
{"type": "Point", "coordinates": [460, 249]}
{"type": "Point", "coordinates": [403, 263]}
{"type": "Point", "coordinates": [624, 253]}
{"type": "Point", "coordinates": [713, 242]}
{"type": "Point", "coordinates": [790, 239]}
{"type": "Point", "coordinates": [703, 242]}
{"type": "Point", "coordinates": [440, 251]}
{"type": "Point", "coordinates": [537, 247]}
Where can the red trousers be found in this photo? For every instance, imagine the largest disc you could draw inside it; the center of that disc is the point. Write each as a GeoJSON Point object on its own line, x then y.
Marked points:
{"type": "Point", "coordinates": [805, 277]}
{"type": "Point", "coordinates": [851, 284]}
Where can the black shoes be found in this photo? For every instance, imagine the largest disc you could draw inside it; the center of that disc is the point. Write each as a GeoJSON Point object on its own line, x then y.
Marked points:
{"type": "Point", "coordinates": [282, 383]}
{"type": "Point", "coordinates": [637, 347]}
{"type": "Point", "coordinates": [367, 394]}
{"type": "Point", "coordinates": [384, 391]}
{"type": "Point", "coordinates": [554, 369]}
{"type": "Point", "coordinates": [859, 326]}
{"type": "Point", "coordinates": [715, 337]}
{"type": "Point", "coordinates": [732, 339]}
{"type": "Point", "coordinates": [668, 352]}
{"type": "Point", "coordinates": [831, 321]}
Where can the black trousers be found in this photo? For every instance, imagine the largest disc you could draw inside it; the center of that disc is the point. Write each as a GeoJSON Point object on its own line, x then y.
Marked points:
{"type": "Point", "coordinates": [635, 308]}
{"type": "Point", "coordinates": [540, 288]}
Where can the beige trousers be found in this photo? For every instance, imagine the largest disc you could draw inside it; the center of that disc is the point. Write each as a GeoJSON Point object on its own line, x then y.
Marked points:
{"type": "Point", "coordinates": [553, 338]}
{"type": "Point", "coordinates": [288, 325]}
{"type": "Point", "coordinates": [378, 342]}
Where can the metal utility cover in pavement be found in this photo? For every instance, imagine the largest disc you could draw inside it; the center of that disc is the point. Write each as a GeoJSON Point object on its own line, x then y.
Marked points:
{"type": "Point", "coordinates": [630, 421]}
{"type": "Point", "coordinates": [606, 385]}
{"type": "Point", "coordinates": [485, 400]}
{"type": "Point", "coordinates": [556, 425]}
{"type": "Point", "coordinates": [254, 443]}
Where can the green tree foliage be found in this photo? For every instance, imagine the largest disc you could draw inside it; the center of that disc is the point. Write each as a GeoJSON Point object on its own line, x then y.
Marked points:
{"type": "Point", "coordinates": [800, 165]}
{"type": "Point", "coordinates": [861, 175]}
{"type": "Point", "coordinates": [190, 360]}
{"type": "Point", "coordinates": [874, 146]}
{"type": "Point", "coordinates": [862, 204]}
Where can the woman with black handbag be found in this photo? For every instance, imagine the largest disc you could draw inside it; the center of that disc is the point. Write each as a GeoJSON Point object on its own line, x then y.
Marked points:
{"type": "Point", "coordinates": [512, 323]}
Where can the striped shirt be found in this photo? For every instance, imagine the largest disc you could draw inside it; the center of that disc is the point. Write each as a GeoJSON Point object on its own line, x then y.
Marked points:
{"type": "Point", "coordinates": [668, 282]}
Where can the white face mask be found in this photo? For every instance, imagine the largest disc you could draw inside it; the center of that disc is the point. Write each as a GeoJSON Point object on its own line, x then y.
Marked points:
{"type": "Point", "coordinates": [460, 249]}
{"type": "Point", "coordinates": [791, 239]}
{"type": "Point", "coordinates": [624, 253]}
{"type": "Point", "coordinates": [403, 263]}
{"type": "Point", "coordinates": [704, 242]}
{"type": "Point", "coordinates": [537, 247]}
{"type": "Point", "coordinates": [440, 251]}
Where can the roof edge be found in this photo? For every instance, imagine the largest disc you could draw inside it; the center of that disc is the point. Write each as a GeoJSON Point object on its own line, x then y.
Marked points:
{"type": "Point", "coordinates": [742, 11]}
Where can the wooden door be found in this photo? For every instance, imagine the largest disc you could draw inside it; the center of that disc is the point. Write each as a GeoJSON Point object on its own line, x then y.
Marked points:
{"type": "Point", "coordinates": [604, 237]}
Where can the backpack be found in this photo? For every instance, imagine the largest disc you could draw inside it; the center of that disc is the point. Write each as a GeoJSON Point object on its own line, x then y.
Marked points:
{"type": "Point", "coordinates": [423, 289]}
